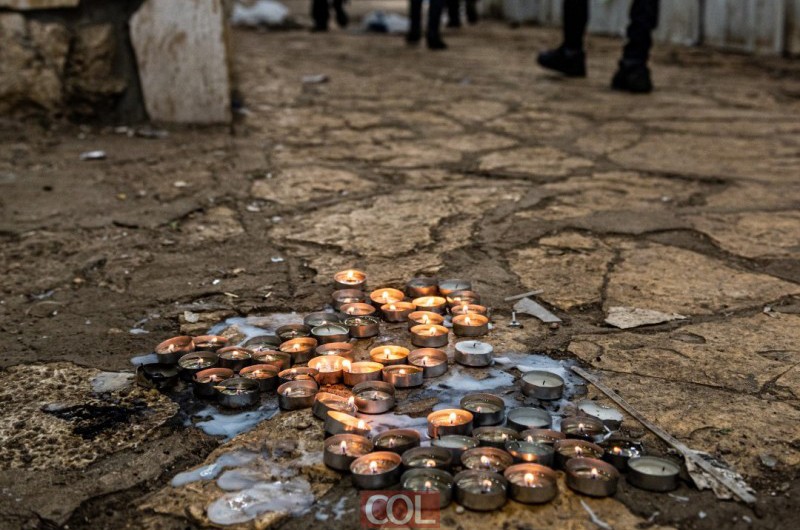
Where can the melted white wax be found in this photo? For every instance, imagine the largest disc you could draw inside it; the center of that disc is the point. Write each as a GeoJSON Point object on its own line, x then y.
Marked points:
{"type": "Point", "coordinates": [293, 497]}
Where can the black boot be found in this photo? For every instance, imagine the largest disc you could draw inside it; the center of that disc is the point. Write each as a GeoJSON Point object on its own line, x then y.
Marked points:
{"type": "Point", "coordinates": [632, 77]}
{"type": "Point", "coordinates": [472, 11]}
{"type": "Point", "coordinates": [435, 42]}
{"type": "Point", "coordinates": [571, 63]}
{"type": "Point", "coordinates": [341, 15]}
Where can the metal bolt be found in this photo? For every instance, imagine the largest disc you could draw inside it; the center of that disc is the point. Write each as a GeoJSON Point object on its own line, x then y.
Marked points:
{"type": "Point", "coordinates": [514, 322]}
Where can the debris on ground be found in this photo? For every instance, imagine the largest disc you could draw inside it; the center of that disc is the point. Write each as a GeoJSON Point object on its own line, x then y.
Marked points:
{"type": "Point", "coordinates": [315, 79]}
{"type": "Point", "coordinates": [634, 317]}
{"type": "Point", "coordinates": [93, 155]}
{"type": "Point", "coordinates": [380, 22]}
{"type": "Point", "coordinates": [260, 13]}
{"type": "Point", "coordinates": [529, 307]}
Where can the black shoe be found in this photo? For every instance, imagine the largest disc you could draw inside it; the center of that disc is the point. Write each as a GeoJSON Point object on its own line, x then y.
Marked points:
{"type": "Point", "coordinates": [341, 18]}
{"type": "Point", "coordinates": [436, 43]}
{"type": "Point", "coordinates": [633, 78]}
{"type": "Point", "coordinates": [413, 38]}
{"type": "Point", "coordinates": [568, 62]}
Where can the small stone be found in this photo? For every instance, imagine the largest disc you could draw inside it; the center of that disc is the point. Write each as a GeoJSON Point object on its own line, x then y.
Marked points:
{"type": "Point", "coordinates": [459, 509]}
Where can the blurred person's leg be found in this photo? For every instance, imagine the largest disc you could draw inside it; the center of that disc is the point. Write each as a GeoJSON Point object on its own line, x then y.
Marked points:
{"type": "Point", "coordinates": [433, 35]}
{"type": "Point", "coordinates": [633, 74]}
{"type": "Point", "coordinates": [415, 21]}
{"type": "Point", "coordinates": [472, 11]}
{"type": "Point", "coordinates": [319, 12]}
{"type": "Point", "coordinates": [453, 14]}
{"type": "Point", "coordinates": [569, 58]}
{"type": "Point", "coordinates": [341, 16]}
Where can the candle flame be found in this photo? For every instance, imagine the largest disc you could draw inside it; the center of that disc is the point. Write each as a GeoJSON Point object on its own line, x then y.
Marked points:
{"type": "Point", "coordinates": [485, 462]}
{"type": "Point", "coordinates": [430, 463]}
{"type": "Point", "coordinates": [530, 438]}
{"type": "Point", "coordinates": [478, 408]}
{"type": "Point", "coordinates": [346, 365]}
{"type": "Point", "coordinates": [402, 371]}
{"type": "Point", "coordinates": [387, 352]}
{"type": "Point", "coordinates": [373, 467]}
{"type": "Point", "coordinates": [594, 473]}
{"type": "Point", "coordinates": [467, 321]}
{"type": "Point", "coordinates": [426, 319]}
{"type": "Point", "coordinates": [296, 346]}
{"type": "Point", "coordinates": [424, 361]}
{"type": "Point", "coordinates": [529, 479]}
{"type": "Point", "coordinates": [343, 447]}
{"type": "Point", "coordinates": [616, 450]}
{"type": "Point", "coordinates": [391, 442]}
{"type": "Point", "coordinates": [432, 331]}
{"type": "Point", "coordinates": [362, 425]}
{"type": "Point", "coordinates": [578, 451]}
{"type": "Point", "coordinates": [486, 485]}
{"type": "Point", "coordinates": [351, 401]}
{"type": "Point", "coordinates": [428, 485]}
{"type": "Point", "coordinates": [350, 275]}
{"type": "Point", "coordinates": [429, 302]}
{"type": "Point", "coordinates": [393, 307]}
{"type": "Point", "coordinates": [351, 310]}
{"type": "Point", "coordinates": [452, 418]}
{"type": "Point", "coordinates": [581, 427]}
{"type": "Point", "coordinates": [385, 295]}
{"type": "Point", "coordinates": [171, 348]}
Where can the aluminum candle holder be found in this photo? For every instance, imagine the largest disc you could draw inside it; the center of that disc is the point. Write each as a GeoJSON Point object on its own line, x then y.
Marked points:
{"type": "Point", "coordinates": [424, 318]}
{"type": "Point", "coordinates": [265, 375]}
{"type": "Point", "coordinates": [320, 318]}
{"type": "Point", "coordinates": [301, 349]}
{"type": "Point", "coordinates": [325, 401]}
{"type": "Point", "coordinates": [205, 381]}
{"type": "Point", "coordinates": [350, 279]}
{"type": "Point", "coordinates": [397, 311]}
{"type": "Point", "coordinates": [363, 327]}
{"type": "Point", "coordinates": [403, 375]}
{"type": "Point", "coordinates": [619, 450]}
{"type": "Point", "coordinates": [397, 440]}
{"type": "Point", "coordinates": [387, 295]}
{"type": "Point", "coordinates": [493, 436]}
{"type": "Point", "coordinates": [583, 428]}
{"type": "Point", "coordinates": [293, 331]}
{"type": "Point", "coordinates": [433, 304]}
{"type": "Point", "coordinates": [542, 385]}
{"type": "Point", "coordinates": [237, 393]}
{"type": "Point", "coordinates": [210, 342]}
{"type": "Point", "coordinates": [298, 373]}
{"type": "Point", "coordinates": [389, 355]}
{"type": "Point", "coordinates": [531, 483]}
{"type": "Point", "coordinates": [329, 368]}
{"type": "Point", "coordinates": [342, 349]}
{"type": "Point", "coordinates": [542, 436]}
{"type": "Point", "coordinates": [470, 325]}
{"type": "Point", "coordinates": [449, 421]}
{"type": "Point", "coordinates": [566, 450]}
{"type": "Point", "coordinates": [653, 474]}
{"type": "Point", "coordinates": [531, 452]}
{"type": "Point", "coordinates": [297, 394]}
{"type": "Point", "coordinates": [465, 309]}
{"type": "Point", "coordinates": [191, 363]}
{"type": "Point", "coordinates": [158, 375]}
{"type": "Point", "coordinates": [463, 296]}
{"type": "Point", "coordinates": [262, 343]}
{"type": "Point", "coordinates": [486, 409]}
{"type": "Point", "coordinates": [374, 397]}
{"type": "Point", "coordinates": [523, 418]}
{"type": "Point", "coordinates": [341, 450]}
{"type": "Point", "coordinates": [474, 353]}
{"type": "Point", "coordinates": [432, 361]}
{"type": "Point", "coordinates": [417, 287]}
{"type": "Point", "coordinates": [480, 490]}
{"type": "Point", "coordinates": [342, 423]}
{"type": "Point", "coordinates": [429, 480]}
{"type": "Point", "coordinates": [358, 372]}
{"type": "Point", "coordinates": [234, 357]}
{"type": "Point", "coordinates": [376, 471]}
{"type": "Point", "coordinates": [446, 287]}
{"type": "Point", "coordinates": [358, 309]}
{"type": "Point", "coordinates": [331, 333]}
{"type": "Point", "coordinates": [278, 359]}
{"type": "Point", "coordinates": [430, 457]}
{"type": "Point", "coordinates": [456, 444]}
{"type": "Point", "coordinates": [611, 417]}
{"type": "Point", "coordinates": [169, 351]}
{"type": "Point", "coordinates": [592, 477]}
{"type": "Point", "coordinates": [429, 336]}
{"type": "Point", "coordinates": [345, 297]}
{"type": "Point", "coordinates": [487, 459]}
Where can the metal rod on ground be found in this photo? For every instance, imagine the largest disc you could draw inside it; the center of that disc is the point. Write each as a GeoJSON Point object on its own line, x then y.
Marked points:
{"type": "Point", "coordinates": [523, 295]}
{"type": "Point", "coordinates": [687, 453]}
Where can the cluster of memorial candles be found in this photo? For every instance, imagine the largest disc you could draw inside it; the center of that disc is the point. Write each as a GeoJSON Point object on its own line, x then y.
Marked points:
{"type": "Point", "coordinates": [496, 462]}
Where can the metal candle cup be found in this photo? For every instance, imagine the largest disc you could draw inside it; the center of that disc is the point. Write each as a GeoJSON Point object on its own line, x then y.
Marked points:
{"type": "Point", "coordinates": [542, 385]}
{"type": "Point", "coordinates": [348, 297]}
{"type": "Point", "coordinates": [298, 373]}
{"type": "Point", "coordinates": [403, 375]}
{"type": "Point", "coordinates": [463, 296]}
{"type": "Point", "coordinates": [397, 440]}
{"type": "Point", "coordinates": [542, 436]}
{"type": "Point", "coordinates": [301, 349]}
{"type": "Point", "coordinates": [653, 474]}
{"type": "Point", "coordinates": [325, 401]}
{"type": "Point", "coordinates": [569, 449]}
{"type": "Point", "coordinates": [388, 355]}
{"type": "Point", "coordinates": [493, 436]}
{"type": "Point", "coordinates": [432, 361]}
{"type": "Point", "coordinates": [376, 471]}
{"type": "Point", "coordinates": [474, 353]}
{"type": "Point", "coordinates": [386, 295]}
{"type": "Point", "coordinates": [278, 359]}
{"type": "Point", "coordinates": [430, 457]}
{"type": "Point", "coordinates": [417, 287]}
{"type": "Point", "coordinates": [424, 318]}
{"type": "Point", "coordinates": [350, 279]}
{"type": "Point", "coordinates": [265, 375]}
{"type": "Point", "coordinates": [331, 333]}
{"type": "Point", "coordinates": [320, 318]}
{"type": "Point", "coordinates": [374, 397]}
{"type": "Point", "coordinates": [358, 309]}
{"type": "Point", "coordinates": [340, 450]}
{"type": "Point", "coordinates": [523, 418]}
{"type": "Point", "coordinates": [470, 325]}
{"type": "Point", "coordinates": [611, 417]}
{"type": "Point", "coordinates": [329, 368]}
{"type": "Point", "coordinates": [237, 393]}
{"type": "Point", "coordinates": [456, 444]}
{"type": "Point", "coordinates": [297, 394]}
{"type": "Point", "coordinates": [158, 375]}
{"type": "Point", "coordinates": [619, 450]}
{"type": "Point", "coordinates": [583, 428]}
{"type": "Point", "coordinates": [337, 422]}
{"type": "Point", "coordinates": [429, 480]}
{"type": "Point", "coordinates": [486, 409]}
{"type": "Point", "coordinates": [397, 311]}
{"type": "Point", "coordinates": [531, 452]}
{"type": "Point", "coordinates": [169, 351]}
{"type": "Point", "coordinates": [487, 459]}
{"type": "Point", "coordinates": [448, 286]}
{"type": "Point", "coordinates": [531, 483]}
{"type": "Point", "coordinates": [465, 309]}
{"type": "Point", "coordinates": [363, 327]}
{"type": "Point", "coordinates": [480, 490]}
{"type": "Point", "coordinates": [191, 363]}
{"type": "Point", "coordinates": [592, 477]}
{"type": "Point", "coordinates": [433, 304]}
{"type": "Point", "coordinates": [292, 331]}
{"type": "Point", "coordinates": [262, 343]}
{"type": "Point", "coordinates": [205, 381]}
{"type": "Point", "coordinates": [449, 421]}
{"type": "Point", "coordinates": [234, 357]}
{"type": "Point", "coordinates": [210, 342]}
{"type": "Point", "coordinates": [342, 349]}
{"type": "Point", "coordinates": [429, 336]}
{"type": "Point", "coordinates": [358, 372]}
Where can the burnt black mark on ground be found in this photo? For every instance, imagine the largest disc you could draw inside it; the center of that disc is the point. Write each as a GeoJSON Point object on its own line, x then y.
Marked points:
{"type": "Point", "coordinates": [90, 419]}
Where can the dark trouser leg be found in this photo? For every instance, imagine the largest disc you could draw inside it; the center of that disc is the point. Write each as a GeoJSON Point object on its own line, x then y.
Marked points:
{"type": "Point", "coordinates": [341, 16]}
{"type": "Point", "coordinates": [453, 14]}
{"type": "Point", "coordinates": [576, 17]}
{"type": "Point", "coordinates": [415, 16]}
{"type": "Point", "coordinates": [472, 11]}
{"type": "Point", "coordinates": [319, 12]}
{"type": "Point", "coordinates": [643, 20]}
{"type": "Point", "coordinates": [435, 10]}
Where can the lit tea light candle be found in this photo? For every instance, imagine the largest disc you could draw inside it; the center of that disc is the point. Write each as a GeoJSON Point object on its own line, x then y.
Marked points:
{"type": "Point", "coordinates": [265, 375]}
{"type": "Point", "coordinates": [480, 490]}
{"type": "Point", "coordinates": [320, 318]}
{"type": "Point", "coordinates": [292, 331]}
{"type": "Point", "coordinates": [389, 355]}
{"type": "Point", "coordinates": [331, 333]}
{"type": "Point", "coordinates": [446, 287]}
{"type": "Point", "coordinates": [542, 385]}
{"type": "Point", "coordinates": [345, 297]}
{"type": "Point", "coordinates": [384, 296]}
{"type": "Point", "coordinates": [619, 450]}
{"type": "Point", "coordinates": [429, 336]}
{"type": "Point", "coordinates": [531, 483]}
{"type": "Point", "coordinates": [376, 471]}
{"type": "Point", "coordinates": [358, 372]}
{"type": "Point", "coordinates": [358, 309]}
{"type": "Point", "coordinates": [191, 363]}
{"type": "Point", "coordinates": [431, 457]}
{"type": "Point", "coordinates": [237, 393]}
{"type": "Point", "coordinates": [363, 327]}
{"type": "Point", "coordinates": [465, 309]}
{"type": "Point", "coordinates": [429, 480]}
{"type": "Point", "coordinates": [296, 395]}
{"type": "Point", "coordinates": [463, 296]}
{"type": "Point", "coordinates": [341, 423]}
{"type": "Point", "coordinates": [397, 311]}
{"type": "Point", "coordinates": [205, 381]}
{"type": "Point", "coordinates": [432, 361]}
{"type": "Point", "coordinates": [329, 368]}
{"type": "Point", "coordinates": [611, 417]}
{"type": "Point", "coordinates": [486, 409]}
{"type": "Point", "coordinates": [325, 402]}
{"type": "Point", "coordinates": [342, 349]}
{"type": "Point", "coordinates": [298, 373]}
{"type": "Point", "coordinates": [449, 421]}
{"type": "Point", "coordinates": [169, 351]}
{"type": "Point", "coordinates": [433, 304]}
{"type": "Point", "coordinates": [487, 459]}
{"type": "Point", "coordinates": [524, 418]}
{"type": "Point", "coordinates": [542, 436]}
{"type": "Point", "coordinates": [493, 436]}
{"type": "Point", "coordinates": [653, 474]}
{"type": "Point", "coordinates": [470, 325]}
{"type": "Point", "coordinates": [234, 357]}
{"type": "Point", "coordinates": [474, 353]}
{"type": "Point", "coordinates": [424, 318]}
{"type": "Point", "coordinates": [350, 279]}
{"type": "Point", "coordinates": [278, 359]}
{"type": "Point", "coordinates": [531, 452]}
{"type": "Point", "coordinates": [210, 342]}
{"type": "Point", "coordinates": [568, 449]}
{"type": "Point", "coordinates": [592, 477]}
{"type": "Point", "coordinates": [342, 449]}
{"type": "Point", "coordinates": [403, 375]}
{"type": "Point", "coordinates": [301, 349]}
{"type": "Point", "coordinates": [456, 444]}
{"type": "Point", "coordinates": [397, 440]}
{"type": "Point", "coordinates": [374, 397]}
{"type": "Point", "coordinates": [418, 287]}
{"type": "Point", "coordinates": [583, 428]}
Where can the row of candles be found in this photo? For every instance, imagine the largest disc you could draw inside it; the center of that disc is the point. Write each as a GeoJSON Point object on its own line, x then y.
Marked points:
{"type": "Point", "coordinates": [498, 462]}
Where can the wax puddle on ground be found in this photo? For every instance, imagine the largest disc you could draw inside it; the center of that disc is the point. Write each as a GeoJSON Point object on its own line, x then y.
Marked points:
{"type": "Point", "coordinates": [254, 326]}
{"type": "Point", "coordinates": [219, 422]}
